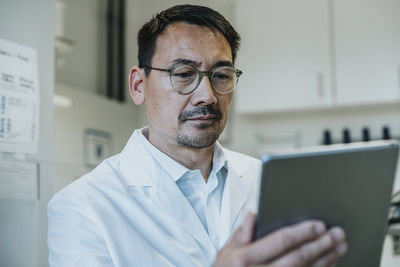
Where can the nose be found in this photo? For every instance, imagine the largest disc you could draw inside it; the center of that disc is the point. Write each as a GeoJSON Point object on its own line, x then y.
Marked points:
{"type": "Point", "coordinates": [204, 94]}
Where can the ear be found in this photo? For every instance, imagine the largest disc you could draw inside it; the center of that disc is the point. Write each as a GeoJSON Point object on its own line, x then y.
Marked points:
{"type": "Point", "coordinates": [136, 89]}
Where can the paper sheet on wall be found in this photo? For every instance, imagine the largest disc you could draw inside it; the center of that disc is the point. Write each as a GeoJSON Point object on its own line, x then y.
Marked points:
{"type": "Point", "coordinates": [19, 98]}
{"type": "Point", "coordinates": [18, 180]}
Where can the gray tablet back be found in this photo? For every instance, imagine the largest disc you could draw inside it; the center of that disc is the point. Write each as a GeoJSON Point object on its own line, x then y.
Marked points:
{"type": "Point", "coordinates": [347, 186]}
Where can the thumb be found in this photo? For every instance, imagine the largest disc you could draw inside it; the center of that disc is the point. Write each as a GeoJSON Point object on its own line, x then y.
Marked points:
{"type": "Point", "coordinates": [244, 234]}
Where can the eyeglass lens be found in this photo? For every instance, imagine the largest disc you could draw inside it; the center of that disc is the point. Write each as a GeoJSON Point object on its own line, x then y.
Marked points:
{"type": "Point", "coordinates": [185, 79]}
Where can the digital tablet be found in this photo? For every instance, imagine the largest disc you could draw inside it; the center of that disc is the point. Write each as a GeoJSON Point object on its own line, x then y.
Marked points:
{"type": "Point", "coordinates": [343, 185]}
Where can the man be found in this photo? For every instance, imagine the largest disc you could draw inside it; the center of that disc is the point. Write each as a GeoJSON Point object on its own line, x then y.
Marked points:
{"type": "Point", "coordinates": [173, 196]}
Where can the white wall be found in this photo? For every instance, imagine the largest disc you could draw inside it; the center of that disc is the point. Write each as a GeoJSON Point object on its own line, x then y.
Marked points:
{"type": "Point", "coordinates": [82, 110]}
{"type": "Point", "coordinates": [30, 23]}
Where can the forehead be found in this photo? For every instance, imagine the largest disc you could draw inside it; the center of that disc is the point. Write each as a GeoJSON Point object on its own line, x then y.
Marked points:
{"type": "Point", "coordinates": [187, 41]}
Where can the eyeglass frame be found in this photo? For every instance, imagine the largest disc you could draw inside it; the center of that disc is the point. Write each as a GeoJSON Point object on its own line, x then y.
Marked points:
{"type": "Point", "coordinates": [201, 75]}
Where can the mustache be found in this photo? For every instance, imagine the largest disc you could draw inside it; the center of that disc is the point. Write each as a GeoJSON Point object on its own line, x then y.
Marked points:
{"type": "Point", "coordinates": [204, 111]}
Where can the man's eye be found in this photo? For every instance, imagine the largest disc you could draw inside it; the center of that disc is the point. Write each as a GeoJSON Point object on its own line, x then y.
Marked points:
{"type": "Point", "coordinates": [184, 75]}
{"type": "Point", "coordinates": [222, 76]}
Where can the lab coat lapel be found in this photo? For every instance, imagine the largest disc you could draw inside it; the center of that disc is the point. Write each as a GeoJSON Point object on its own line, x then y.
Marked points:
{"type": "Point", "coordinates": [136, 165]}
{"type": "Point", "coordinates": [140, 171]}
{"type": "Point", "coordinates": [234, 197]}
{"type": "Point", "coordinates": [171, 201]}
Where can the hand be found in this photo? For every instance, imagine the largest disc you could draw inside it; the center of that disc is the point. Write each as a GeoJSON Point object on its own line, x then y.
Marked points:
{"type": "Point", "coordinates": [308, 243]}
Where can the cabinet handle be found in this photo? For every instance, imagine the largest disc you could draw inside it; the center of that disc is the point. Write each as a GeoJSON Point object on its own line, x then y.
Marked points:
{"type": "Point", "coordinates": [320, 84]}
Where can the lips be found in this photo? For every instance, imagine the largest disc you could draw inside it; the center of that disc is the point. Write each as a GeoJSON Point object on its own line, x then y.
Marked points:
{"type": "Point", "coordinates": [203, 117]}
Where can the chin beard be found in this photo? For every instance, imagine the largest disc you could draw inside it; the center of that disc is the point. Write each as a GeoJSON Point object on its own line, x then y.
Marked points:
{"type": "Point", "coordinates": [201, 139]}
{"type": "Point", "coordinates": [198, 141]}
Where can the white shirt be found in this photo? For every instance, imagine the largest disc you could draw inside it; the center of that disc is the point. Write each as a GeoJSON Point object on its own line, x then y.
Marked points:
{"type": "Point", "coordinates": [205, 198]}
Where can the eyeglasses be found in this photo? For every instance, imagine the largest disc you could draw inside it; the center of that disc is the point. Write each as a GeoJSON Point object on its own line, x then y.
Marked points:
{"type": "Point", "coordinates": [185, 79]}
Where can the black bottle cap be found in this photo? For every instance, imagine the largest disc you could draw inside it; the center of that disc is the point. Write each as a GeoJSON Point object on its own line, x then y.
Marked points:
{"type": "Point", "coordinates": [365, 134]}
{"type": "Point", "coordinates": [386, 133]}
{"type": "Point", "coordinates": [346, 136]}
{"type": "Point", "coordinates": [327, 138]}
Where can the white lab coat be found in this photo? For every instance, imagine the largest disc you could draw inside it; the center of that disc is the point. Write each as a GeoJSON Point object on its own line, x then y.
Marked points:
{"type": "Point", "coordinates": [124, 214]}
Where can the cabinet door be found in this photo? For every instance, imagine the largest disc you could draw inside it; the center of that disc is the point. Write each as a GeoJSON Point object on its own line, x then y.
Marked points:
{"type": "Point", "coordinates": [367, 34]}
{"type": "Point", "coordinates": [284, 55]}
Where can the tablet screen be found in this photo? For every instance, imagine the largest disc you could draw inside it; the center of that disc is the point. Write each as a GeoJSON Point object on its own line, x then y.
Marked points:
{"type": "Point", "coordinates": [347, 185]}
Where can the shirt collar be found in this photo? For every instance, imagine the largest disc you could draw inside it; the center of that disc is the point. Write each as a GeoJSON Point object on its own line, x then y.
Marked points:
{"type": "Point", "coordinates": [219, 159]}
{"type": "Point", "coordinates": [174, 168]}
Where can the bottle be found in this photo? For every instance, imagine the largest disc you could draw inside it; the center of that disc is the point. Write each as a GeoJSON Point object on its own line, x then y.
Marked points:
{"type": "Point", "coordinates": [386, 133]}
{"type": "Point", "coordinates": [365, 134]}
{"type": "Point", "coordinates": [327, 139]}
{"type": "Point", "coordinates": [346, 136]}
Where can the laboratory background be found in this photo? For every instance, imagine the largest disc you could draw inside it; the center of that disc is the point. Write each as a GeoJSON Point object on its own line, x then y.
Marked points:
{"type": "Point", "coordinates": [315, 72]}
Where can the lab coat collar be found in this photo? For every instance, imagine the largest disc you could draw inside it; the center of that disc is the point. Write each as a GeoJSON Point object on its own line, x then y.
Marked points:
{"type": "Point", "coordinates": [136, 165]}
{"type": "Point", "coordinates": [174, 168]}
{"type": "Point", "coordinates": [139, 170]}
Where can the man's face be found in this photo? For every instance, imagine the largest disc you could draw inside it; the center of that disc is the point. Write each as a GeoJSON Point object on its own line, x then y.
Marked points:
{"type": "Point", "coordinates": [195, 120]}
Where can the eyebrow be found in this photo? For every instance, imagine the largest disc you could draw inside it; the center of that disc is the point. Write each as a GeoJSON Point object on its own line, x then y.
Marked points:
{"type": "Point", "coordinates": [183, 61]}
{"type": "Point", "coordinates": [223, 63]}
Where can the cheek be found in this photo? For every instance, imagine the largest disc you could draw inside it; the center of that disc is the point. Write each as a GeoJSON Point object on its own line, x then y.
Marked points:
{"type": "Point", "coordinates": [165, 107]}
{"type": "Point", "coordinates": [155, 97]}
{"type": "Point", "coordinates": [224, 104]}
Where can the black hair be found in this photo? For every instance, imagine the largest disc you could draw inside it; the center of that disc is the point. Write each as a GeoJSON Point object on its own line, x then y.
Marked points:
{"type": "Point", "coordinates": [191, 14]}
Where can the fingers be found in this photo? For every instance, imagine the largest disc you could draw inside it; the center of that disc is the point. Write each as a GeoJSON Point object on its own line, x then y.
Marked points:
{"type": "Point", "coordinates": [303, 244]}
{"type": "Point", "coordinates": [330, 258]}
{"type": "Point", "coordinates": [248, 227]}
{"type": "Point", "coordinates": [244, 234]}
{"type": "Point", "coordinates": [282, 241]}
{"type": "Point", "coordinates": [228, 255]}
{"type": "Point", "coordinates": [320, 251]}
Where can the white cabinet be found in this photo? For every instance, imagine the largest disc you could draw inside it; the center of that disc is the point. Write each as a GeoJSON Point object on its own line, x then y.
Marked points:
{"type": "Point", "coordinates": [285, 55]}
{"type": "Point", "coordinates": [317, 53]}
{"type": "Point", "coordinates": [367, 48]}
